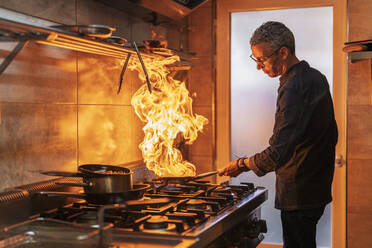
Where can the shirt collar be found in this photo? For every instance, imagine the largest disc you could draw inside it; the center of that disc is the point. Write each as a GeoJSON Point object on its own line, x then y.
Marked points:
{"type": "Point", "coordinates": [291, 71]}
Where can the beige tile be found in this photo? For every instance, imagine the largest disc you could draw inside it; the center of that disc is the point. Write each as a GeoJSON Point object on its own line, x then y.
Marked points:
{"type": "Point", "coordinates": [94, 12]}
{"type": "Point", "coordinates": [138, 135]}
{"type": "Point", "coordinates": [177, 38]}
{"type": "Point", "coordinates": [359, 186]}
{"type": "Point", "coordinates": [359, 132]}
{"type": "Point", "coordinates": [360, 20]}
{"type": "Point", "coordinates": [106, 134]}
{"type": "Point", "coordinates": [359, 228]}
{"type": "Point", "coordinates": [99, 78]}
{"type": "Point", "coordinates": [200, 34]}
{"type": "Point", "coordinates": [141, 31]}
{"type": "Point", "coordinates": [60, 11]}
{"type": "Point", "coordinates": [39, 73]}
{"type": "Point", "coordinates": [203, 164]}
{"type": "Point", "coordinates": [35, 137]}
{"type": "Point", "coordinates": [201, 84]}
{"type": "Point", "coordinates": [360, 83]}
{"type": "Point", "coordinates": [203, 145]}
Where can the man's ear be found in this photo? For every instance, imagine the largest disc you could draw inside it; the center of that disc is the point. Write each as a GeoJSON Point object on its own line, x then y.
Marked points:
{"type": "Point", "coordinates": [284, 52]}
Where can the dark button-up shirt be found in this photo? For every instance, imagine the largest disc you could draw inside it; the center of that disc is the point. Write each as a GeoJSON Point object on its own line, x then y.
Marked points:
{"type": "Point", "coordinates": [302, 148]}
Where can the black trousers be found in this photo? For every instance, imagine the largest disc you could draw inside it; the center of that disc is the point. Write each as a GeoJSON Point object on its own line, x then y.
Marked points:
{"type": "Point", "coordinates": [299, 227]}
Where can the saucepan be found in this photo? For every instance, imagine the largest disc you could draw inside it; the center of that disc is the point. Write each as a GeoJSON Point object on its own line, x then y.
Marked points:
{"type": "Point", "coordinates": [103, 184]}
{"type": "Point", "coordinates": [99, 178]}
{"type": "Point", "coordinates": [103, 198]}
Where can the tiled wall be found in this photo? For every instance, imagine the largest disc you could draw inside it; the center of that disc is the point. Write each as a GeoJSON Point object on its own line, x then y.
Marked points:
{"type": "Point", "coordinates": [359, 212]}
{"type": "Point", "coordinates": [59, 108]}
{"type": "Point", "coordinates": [202, 84]}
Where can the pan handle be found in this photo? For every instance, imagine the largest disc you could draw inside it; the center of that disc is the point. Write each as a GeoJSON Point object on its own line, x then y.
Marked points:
{"type": "Point", "coordinates": [62, 173]}
{"type": "Point", "coordinates": [62, 194]}
{"type": "Point", "coordinates": [90, 184]}
{"type": "Point", "coordinates": [207, 174]}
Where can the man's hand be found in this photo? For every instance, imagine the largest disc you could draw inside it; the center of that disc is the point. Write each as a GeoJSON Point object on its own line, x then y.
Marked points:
{"type": "Point", "coordinates": [232, 169]}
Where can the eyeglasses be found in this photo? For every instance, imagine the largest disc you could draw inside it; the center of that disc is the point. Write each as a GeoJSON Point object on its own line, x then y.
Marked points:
{"type": "Point", "coordinates": [262, 61]}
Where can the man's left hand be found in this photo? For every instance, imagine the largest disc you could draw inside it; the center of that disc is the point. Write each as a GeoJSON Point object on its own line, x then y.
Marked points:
{"type": "Point", "coordinates": [232, 169]}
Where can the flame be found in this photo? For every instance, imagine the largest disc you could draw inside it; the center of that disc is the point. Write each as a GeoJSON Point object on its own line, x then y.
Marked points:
{"type": "Point", "coordinates": [168, 115]}
{"type": "Point", "coordinates": [160, 38]}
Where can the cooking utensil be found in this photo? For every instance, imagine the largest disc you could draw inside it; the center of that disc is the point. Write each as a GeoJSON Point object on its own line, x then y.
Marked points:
{"type": "Point", "coordinates": [143, 67]}
{"type": "Point", "coordinates": [123, 71]}
{"type": "Point", "coordinates": [189, 178]}
{"type": "Point", "coordinates": [116, 40]}
{"type": "Point", "coordinates": [103, 198]}
{"type": "Point", "coordinates": [11, 56]}
{"type": "Point", "coordinates": [95, 30]}
{"type": "Point", "coordinates": [98, 178]}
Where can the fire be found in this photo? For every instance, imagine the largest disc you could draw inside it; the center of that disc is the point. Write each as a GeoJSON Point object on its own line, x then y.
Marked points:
{"type": "Point", "coordinates": [168, 115]}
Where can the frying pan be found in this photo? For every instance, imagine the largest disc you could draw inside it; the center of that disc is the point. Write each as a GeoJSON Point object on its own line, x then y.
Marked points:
{"type": "Point", "coordinates": [95, 30]}
{"type": "Point", "coordinates": [186, 179]}
{"type": "Point", "coordinates": [98, 178]}
{"type": "Point", "coordinates": [116, 40]}
{"type": "Point", "coordinates": [103, 198]}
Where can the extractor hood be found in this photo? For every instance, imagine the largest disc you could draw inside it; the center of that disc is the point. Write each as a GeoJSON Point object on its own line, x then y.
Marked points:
{"type": "Point", "coordinates": [174, 9]}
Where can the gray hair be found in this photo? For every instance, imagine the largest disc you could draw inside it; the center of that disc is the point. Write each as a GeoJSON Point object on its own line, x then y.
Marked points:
{"type": "Point", "coordinates": [274, 33]}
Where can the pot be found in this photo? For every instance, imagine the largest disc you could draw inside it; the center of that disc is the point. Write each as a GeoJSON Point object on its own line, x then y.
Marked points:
{"type": "Point", "coordinates": [98, 178]}
{"type": "Point", "coordinates": [101, 198]}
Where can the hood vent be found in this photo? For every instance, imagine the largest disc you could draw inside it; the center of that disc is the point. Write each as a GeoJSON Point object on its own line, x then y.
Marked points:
{"type": "Point", "coordinates": [174, 9]}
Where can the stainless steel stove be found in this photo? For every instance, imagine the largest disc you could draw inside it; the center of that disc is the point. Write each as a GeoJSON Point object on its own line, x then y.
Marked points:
{"type": "Point", "coordinates": [189, 214]}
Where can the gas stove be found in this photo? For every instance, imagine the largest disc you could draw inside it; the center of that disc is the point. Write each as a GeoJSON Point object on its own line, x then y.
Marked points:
{"type": "Point", "coordinates": [188, 214]}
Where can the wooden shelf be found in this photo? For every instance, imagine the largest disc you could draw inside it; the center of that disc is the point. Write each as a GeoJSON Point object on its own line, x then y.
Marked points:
{"type": "Point", "coordinates": [358, 50]}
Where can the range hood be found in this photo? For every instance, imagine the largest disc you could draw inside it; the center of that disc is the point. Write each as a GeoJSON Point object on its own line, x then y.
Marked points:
{"type": "Point", "coordinates": [173, 9]}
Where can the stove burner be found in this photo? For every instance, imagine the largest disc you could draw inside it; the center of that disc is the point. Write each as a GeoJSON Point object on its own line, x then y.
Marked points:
{"type": "Point", "coordinates": [196, 204]}
{"type": "Point", "coordinates": [88, 218]}
{"type": "Point", "coordinates": [156, 222]}
{"type": "Point", "coordinates": [174, 188]}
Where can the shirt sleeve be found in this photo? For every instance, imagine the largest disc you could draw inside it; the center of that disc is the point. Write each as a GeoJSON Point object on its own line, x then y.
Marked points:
{"type": "Point", "coordinates": [287, 129]}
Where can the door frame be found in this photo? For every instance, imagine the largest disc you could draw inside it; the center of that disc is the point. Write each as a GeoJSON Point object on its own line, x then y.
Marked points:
{"type": "Point", "coordinates": [223, 140]}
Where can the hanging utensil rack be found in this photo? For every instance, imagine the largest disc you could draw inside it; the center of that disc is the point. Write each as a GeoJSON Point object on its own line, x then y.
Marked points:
{"type": "Point", "coordinates": [22, 32]}
{"type": "Point", "coordinates": [12, 30]}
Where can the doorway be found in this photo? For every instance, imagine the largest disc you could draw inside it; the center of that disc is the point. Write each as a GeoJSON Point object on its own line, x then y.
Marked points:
{"type": "Point", "coordinates": [224, 12]}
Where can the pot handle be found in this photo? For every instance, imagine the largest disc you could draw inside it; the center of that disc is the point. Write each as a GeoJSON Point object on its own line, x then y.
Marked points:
{"type": "Point", "coordinates": [62, 194]}
{"type": "Point", "coordinates": [90, 184]}
{"type": "Point", "coordinates": [62, 173]}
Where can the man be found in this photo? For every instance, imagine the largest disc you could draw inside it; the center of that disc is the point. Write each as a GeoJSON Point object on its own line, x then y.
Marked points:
{"type": "Point", "coordinates": [301, 149]}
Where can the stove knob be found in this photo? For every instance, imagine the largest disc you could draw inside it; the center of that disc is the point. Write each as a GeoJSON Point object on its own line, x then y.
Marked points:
{"type": "Point", "coordinates": [262, 226]}
{"type": "Point", "coordinates": [249, 185]}
{"type": "Point", "coordinates": [255, 227]}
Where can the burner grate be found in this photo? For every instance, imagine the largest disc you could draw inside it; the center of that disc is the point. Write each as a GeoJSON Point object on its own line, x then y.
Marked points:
{"type": "Point", "coordinates": [165, 208]}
